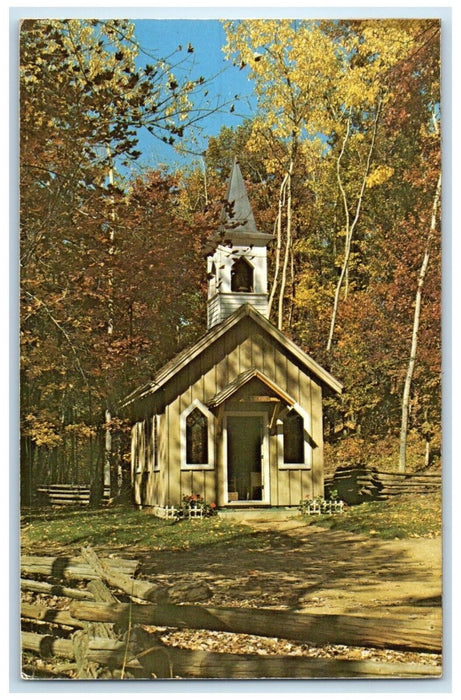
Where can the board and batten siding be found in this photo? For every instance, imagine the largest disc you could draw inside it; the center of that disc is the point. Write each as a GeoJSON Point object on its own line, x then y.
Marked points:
{"type": "Point", "coordinates": [205, 376]}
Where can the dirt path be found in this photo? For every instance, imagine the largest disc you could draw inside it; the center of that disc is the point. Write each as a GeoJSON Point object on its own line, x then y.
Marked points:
{"type": "Point", "coordinates": [307, 568]}
{"type": "Point", "coordinates": [385, 576]}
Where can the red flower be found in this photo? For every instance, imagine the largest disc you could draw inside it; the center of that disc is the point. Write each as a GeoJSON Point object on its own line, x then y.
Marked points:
{"type": "Point", "coordinates": [212, 505]}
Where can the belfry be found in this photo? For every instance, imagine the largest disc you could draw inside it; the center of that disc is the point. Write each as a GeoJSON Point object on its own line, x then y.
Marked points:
{"type": "Point", "coordinates": [237, 259]}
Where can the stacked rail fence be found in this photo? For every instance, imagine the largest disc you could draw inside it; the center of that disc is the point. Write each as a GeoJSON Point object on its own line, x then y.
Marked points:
{"type": "Point", "coordinates": [96, 618]}
{"type": "Point", "coordinates": [361, 483]}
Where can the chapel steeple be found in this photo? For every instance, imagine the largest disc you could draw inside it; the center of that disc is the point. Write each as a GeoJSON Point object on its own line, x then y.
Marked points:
{"type": "Point", "coordinates": [236, 256]}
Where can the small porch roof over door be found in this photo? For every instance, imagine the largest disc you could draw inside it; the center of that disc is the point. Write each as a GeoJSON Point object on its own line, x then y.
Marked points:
{"type": "Point", "coordinates": [243, 379]}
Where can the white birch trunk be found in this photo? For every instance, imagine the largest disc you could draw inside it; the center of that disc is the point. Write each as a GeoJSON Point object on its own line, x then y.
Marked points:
{"type": "Point", "coordinates": [350, 227]}
{"type": "Point", "coordinates": [278, 244]}
{"type": "Point", "coordinates": [414, 335]}
{"type": "Point", "coordinates": [110, 331]}
{"type": "Point", "coordinates": [288, 243]}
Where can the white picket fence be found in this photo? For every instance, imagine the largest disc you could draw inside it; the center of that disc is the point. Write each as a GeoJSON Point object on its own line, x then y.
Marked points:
{"type": "Point", "coordinates": [321, 507]}
{"type": "Point", "coordinates": [174, 513]}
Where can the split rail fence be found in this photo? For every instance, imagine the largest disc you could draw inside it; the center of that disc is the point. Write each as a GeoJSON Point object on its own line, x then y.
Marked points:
{"type": "Point", "coordinates": [357, 484]}
{"type": "Point", "coordinates": [102, 628]}
{"type": "Point", "coordinates": [67, 494]}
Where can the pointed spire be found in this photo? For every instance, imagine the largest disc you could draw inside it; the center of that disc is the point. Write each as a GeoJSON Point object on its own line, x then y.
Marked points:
{"type": "Point", "coordinates": [237, 225]}
{"type": "Point", "coordinates": [236, 214]}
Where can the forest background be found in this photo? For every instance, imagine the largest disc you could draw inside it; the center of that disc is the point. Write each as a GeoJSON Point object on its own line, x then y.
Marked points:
{"type": "Point", "coordinates": [340, 148]}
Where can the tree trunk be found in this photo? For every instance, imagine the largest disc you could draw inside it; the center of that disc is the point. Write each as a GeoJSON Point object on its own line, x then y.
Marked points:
{"type": "Point", "coordinates": [288, 243]}
{"type": "Point", "coordinates": [278, 250]}
{"type": "Point", "coordinates": [97, 456]}
{"type": "Point", "coordinates": [350, 227]}
{"type": "Point", "coordinates": [414, 335]}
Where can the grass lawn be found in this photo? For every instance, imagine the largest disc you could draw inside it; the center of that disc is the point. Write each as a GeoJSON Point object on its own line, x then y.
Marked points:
{"type": "Point", "coordinates": [399, 517]}
{"type": "Point", "coordinates": [122, 526]}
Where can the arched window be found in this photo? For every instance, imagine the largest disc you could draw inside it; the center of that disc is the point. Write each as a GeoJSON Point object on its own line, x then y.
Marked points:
{"type": "Point", "coordinates": [293, 438]}
{"type": "Point", "coordinates": [196, 437]}
{"type": "Point", "coordinates": [241, 276]}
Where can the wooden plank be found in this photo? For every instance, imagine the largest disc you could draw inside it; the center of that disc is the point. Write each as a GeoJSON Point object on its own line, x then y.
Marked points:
{"type": "Point", "coordinates": [233, 361]}
{"type": "Point", "coordinates": [257, 352]}
{"type": "Point", "coordinates": [187, 487]}
{"type": "Point", "coordinates": [174, 449]}
{"type": "Point", "coordinates": [245, 355]}
{"type": "Point", "coordinates": [293, 381]}
{"type": "Point", "coordinates": [209, 379]}
{"type": "Point", "coordinates": [306, 484]}
{"type": "Point", "coordinates": [317, 434]}
{"type": "Point", "coordinates": [284, 487]}
{"type": "Point", "coordinates": [221, 373]}
{"type": "Point", "coordinates": [198, 483]}
{"type": "Point", "coordinates": [275, 457]}
{"type": "Point", "coordinates": [210, 494]}
{"type": "Point", "coordinates": [349, 630]}
{"type": "Point", "coordinates": [268, 359]}
{"type": "Point", "coordinates": [280, 366]}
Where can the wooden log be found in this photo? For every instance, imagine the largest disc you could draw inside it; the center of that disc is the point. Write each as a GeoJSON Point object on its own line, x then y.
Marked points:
{"type": "Point", "coordinates": [44, 614]}
{"type": "Point", "coordinates": [184, 663]}
{"type": "Point", "coordinates": [102, 594]}
{"type": "Point", "coordinates": [85, 667]}
{"type": "Point", "coordinates": [146, 590]}
{"type": "Point", "coordinates": [306, 627]}
{"type": "Point", "coordinates": [201, 664]}
{"type": "Point", "coordinates": [59, 670]}
{"type": "Point", "coordinates": [56, 589]}
{"type": "Point", "coordinates": [72, 567]}
{"type": "Point", "coordinates": [46, 645]}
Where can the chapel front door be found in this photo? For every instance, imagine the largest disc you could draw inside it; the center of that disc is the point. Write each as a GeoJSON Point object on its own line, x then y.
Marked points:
{"type": "Point", "coordinates": [245, 456]}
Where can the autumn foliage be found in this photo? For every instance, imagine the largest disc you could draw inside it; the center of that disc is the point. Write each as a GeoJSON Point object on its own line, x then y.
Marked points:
{"type": "Point", "coordinates": [342, 160]}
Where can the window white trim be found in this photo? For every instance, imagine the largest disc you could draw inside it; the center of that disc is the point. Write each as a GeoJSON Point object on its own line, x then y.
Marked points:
{"type": "Point", "coordinates": [307, 464]}
{"type": "Point", "coordinates": [155, 444]}
{"type": "Point", "coordinates": [137, 456]}
{"type": "Point", "coordinates": [211, 435]}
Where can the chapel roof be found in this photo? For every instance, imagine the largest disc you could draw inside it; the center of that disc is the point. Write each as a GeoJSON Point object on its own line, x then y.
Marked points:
{"type": "Point", "coordinates": [180, 361]}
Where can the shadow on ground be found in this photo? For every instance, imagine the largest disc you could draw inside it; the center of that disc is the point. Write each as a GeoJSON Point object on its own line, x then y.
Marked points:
{"type": "Point", "coordinates": [309, 568]}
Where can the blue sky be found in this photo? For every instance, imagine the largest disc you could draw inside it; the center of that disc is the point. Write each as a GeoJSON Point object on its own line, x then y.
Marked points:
{"type": "Point", "coordinates": [161, 38]}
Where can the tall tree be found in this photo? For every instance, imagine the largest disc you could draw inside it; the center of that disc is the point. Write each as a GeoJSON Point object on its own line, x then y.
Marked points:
{"type": "Point", "coordinates": [346, 216]}
{"type": "Point", "coordinates": [83, 100]}
{"type": "Point", "coordinates": [279, 55]}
